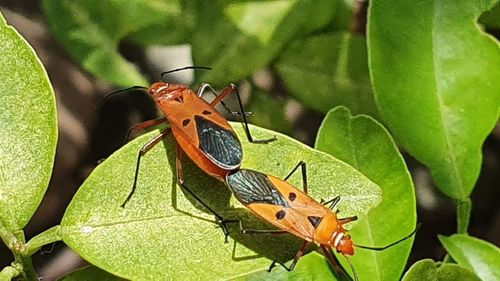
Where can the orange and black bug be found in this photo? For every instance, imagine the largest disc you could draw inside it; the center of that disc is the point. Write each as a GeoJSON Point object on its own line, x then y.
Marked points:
{"type": "Point", "coordinates": [295, 212]}
{"type": "Point", "coordinates": [200, 130]}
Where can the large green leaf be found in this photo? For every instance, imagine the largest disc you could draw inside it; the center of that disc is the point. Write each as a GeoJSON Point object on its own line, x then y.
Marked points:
{"type": "Point", "coordinates": [328, 70]}
{"type": "Point", "coordinates": [91, 31]}
{"type": "Point", "coordinates": [367, 146]}
{"type": "Point", "coordinates": [478, 255]}
{"type": "Point", "coordinates": [90, 273]}
{"type": "Point", "coordinates": [251, 33]}
{"type": "Point", "coordinates": [311, 267]}
{"type": "Point", "coordinates": [431, 271]}
{"type": "Point", "coordinates": [29, 129]}
{"type": "Point", "coordinates": [437, 83]}
{"type": "Point", "coordinates": [162, 234]}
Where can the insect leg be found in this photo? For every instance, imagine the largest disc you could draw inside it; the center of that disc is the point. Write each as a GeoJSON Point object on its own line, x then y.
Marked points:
{"type": "Point", "coordinates": [144, 125]}
{"type": "Point", "coordinates": [220, 220]}
{"type": "Point", "coordinates": [302, 165]}
{"type": "Point", "coordinates": [180, 180]}
{"type": "Point", "coordinates": [347, 220]}
{"type": "Point", "coordinates": [245, 121]}
{"type": "Point", "coordinates": [298, 255]}
{"type": "Point", "coordinates": [339, 270]}
{"type": "Point", "coordinates": [232, 88]}
{"type": "Point", "coordinates": [333, 202]}
{"type": "Point", "coordinates": [218, 98]}
{"type": "Point", "coordinates": [142, 152]}
{"type": "Point", "coordinates": [178, 164]}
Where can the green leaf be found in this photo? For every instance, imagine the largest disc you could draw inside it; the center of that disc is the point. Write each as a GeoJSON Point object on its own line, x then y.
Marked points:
{"type": "Point", "coordinates": [48, 236]}
{"type": "Point", "coordinates": [366, 145]}
{"type": "Point", "coordinates": [29, 129]}
{"type": "Point", "coordinates": [249, 36]}
{"type": "Point", "coordinates": [437, 84]}
{"type": "Point", "coordinates": [91, 31]}
{"type": "Point", "coordinates": [328, 70]}
{"type": "Point", "coordinates": [478, 255]}
{"type": "Point", "coordinates": [491, 18]}
{"type": "Point", "coordinates": [161, 234]}
{"type": "Point", "coordinates": [90, 273]}
{"type": "Point", "coordinates": [431, 271]}
{"type": "Point", "coordinates": [311, 267]}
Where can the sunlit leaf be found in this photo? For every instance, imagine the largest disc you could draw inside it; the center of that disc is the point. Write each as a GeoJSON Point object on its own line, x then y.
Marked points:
{"type": "Point", "coordinates": [29, 129]}
{"type": "Point", "coordinates": [478, 255]}
{"type": "Point", "coordinates": [366, 145]}
{"type": "Point", "coordinates": [311, 267]}
{"type": "Point", "coordinates": [162, 234]}
{"type": "Point", "coordinates": [437, 84]}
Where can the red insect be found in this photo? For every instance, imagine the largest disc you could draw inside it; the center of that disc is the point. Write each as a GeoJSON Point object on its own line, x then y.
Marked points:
{"type": "Point", "coordinates": [201, 132]}
{"type": "Point", "coordinates": [293, 211]}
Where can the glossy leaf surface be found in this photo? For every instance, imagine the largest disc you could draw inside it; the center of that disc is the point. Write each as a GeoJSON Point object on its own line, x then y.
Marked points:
{"type": "Point", "coordinates": [366, 145]}
{"type": "Point", "coordinates": [312, 266]}
{"type": "Point", "coordinates": [437, 84]}
{"type": "Point", "coordinates": [478, 255]}
{"type": "Point", "coordinates": [163, 234]}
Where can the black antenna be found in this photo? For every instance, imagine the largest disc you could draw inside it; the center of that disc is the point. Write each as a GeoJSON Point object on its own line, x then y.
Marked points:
{"type": "Point", "coordinates": [183, 68]}
{"type": "Point", "coordinates": [106, 97]}
{"type": "Point", "coordinates": [393, 243]}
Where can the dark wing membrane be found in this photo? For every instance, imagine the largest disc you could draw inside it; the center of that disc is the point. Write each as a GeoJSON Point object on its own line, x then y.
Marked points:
{"type": "Point", "coordinates": [254, 187]}
{"type": "Point", "coordinates": [220, 145]}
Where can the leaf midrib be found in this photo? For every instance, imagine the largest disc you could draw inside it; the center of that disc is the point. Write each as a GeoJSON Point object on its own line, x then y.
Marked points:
{"type": "Point", "coordinates": [368, 225]}
{"type": "Point", "coordinates": [441, 104]}
{"type": "Point", "coordinates": [123, 222]}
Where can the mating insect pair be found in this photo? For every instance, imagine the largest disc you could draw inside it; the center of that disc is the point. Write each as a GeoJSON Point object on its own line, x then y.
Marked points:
{"type": "Point", "coordinates": [207, 138]}
{"type": "Point", "coordinates": [199, 129]}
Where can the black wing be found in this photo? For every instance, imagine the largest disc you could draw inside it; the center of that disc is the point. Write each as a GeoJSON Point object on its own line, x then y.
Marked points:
{"type": "Point", "coordinates": [254, 187]}
{"type": "Point", "coordinates": [220, 145]}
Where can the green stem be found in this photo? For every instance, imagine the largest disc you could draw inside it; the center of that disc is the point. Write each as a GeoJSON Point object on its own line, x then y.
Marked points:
{"type": "Point", "coordinates": [15, 241]}
{"type": "Point", "coordinates": [19, 250]}
{"type": "Point", "coordinates": [50, 235]}
{"type": "Point", "coordinates": [463, 215]}
{"type": "Point", "coordinates": [28, 272]}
